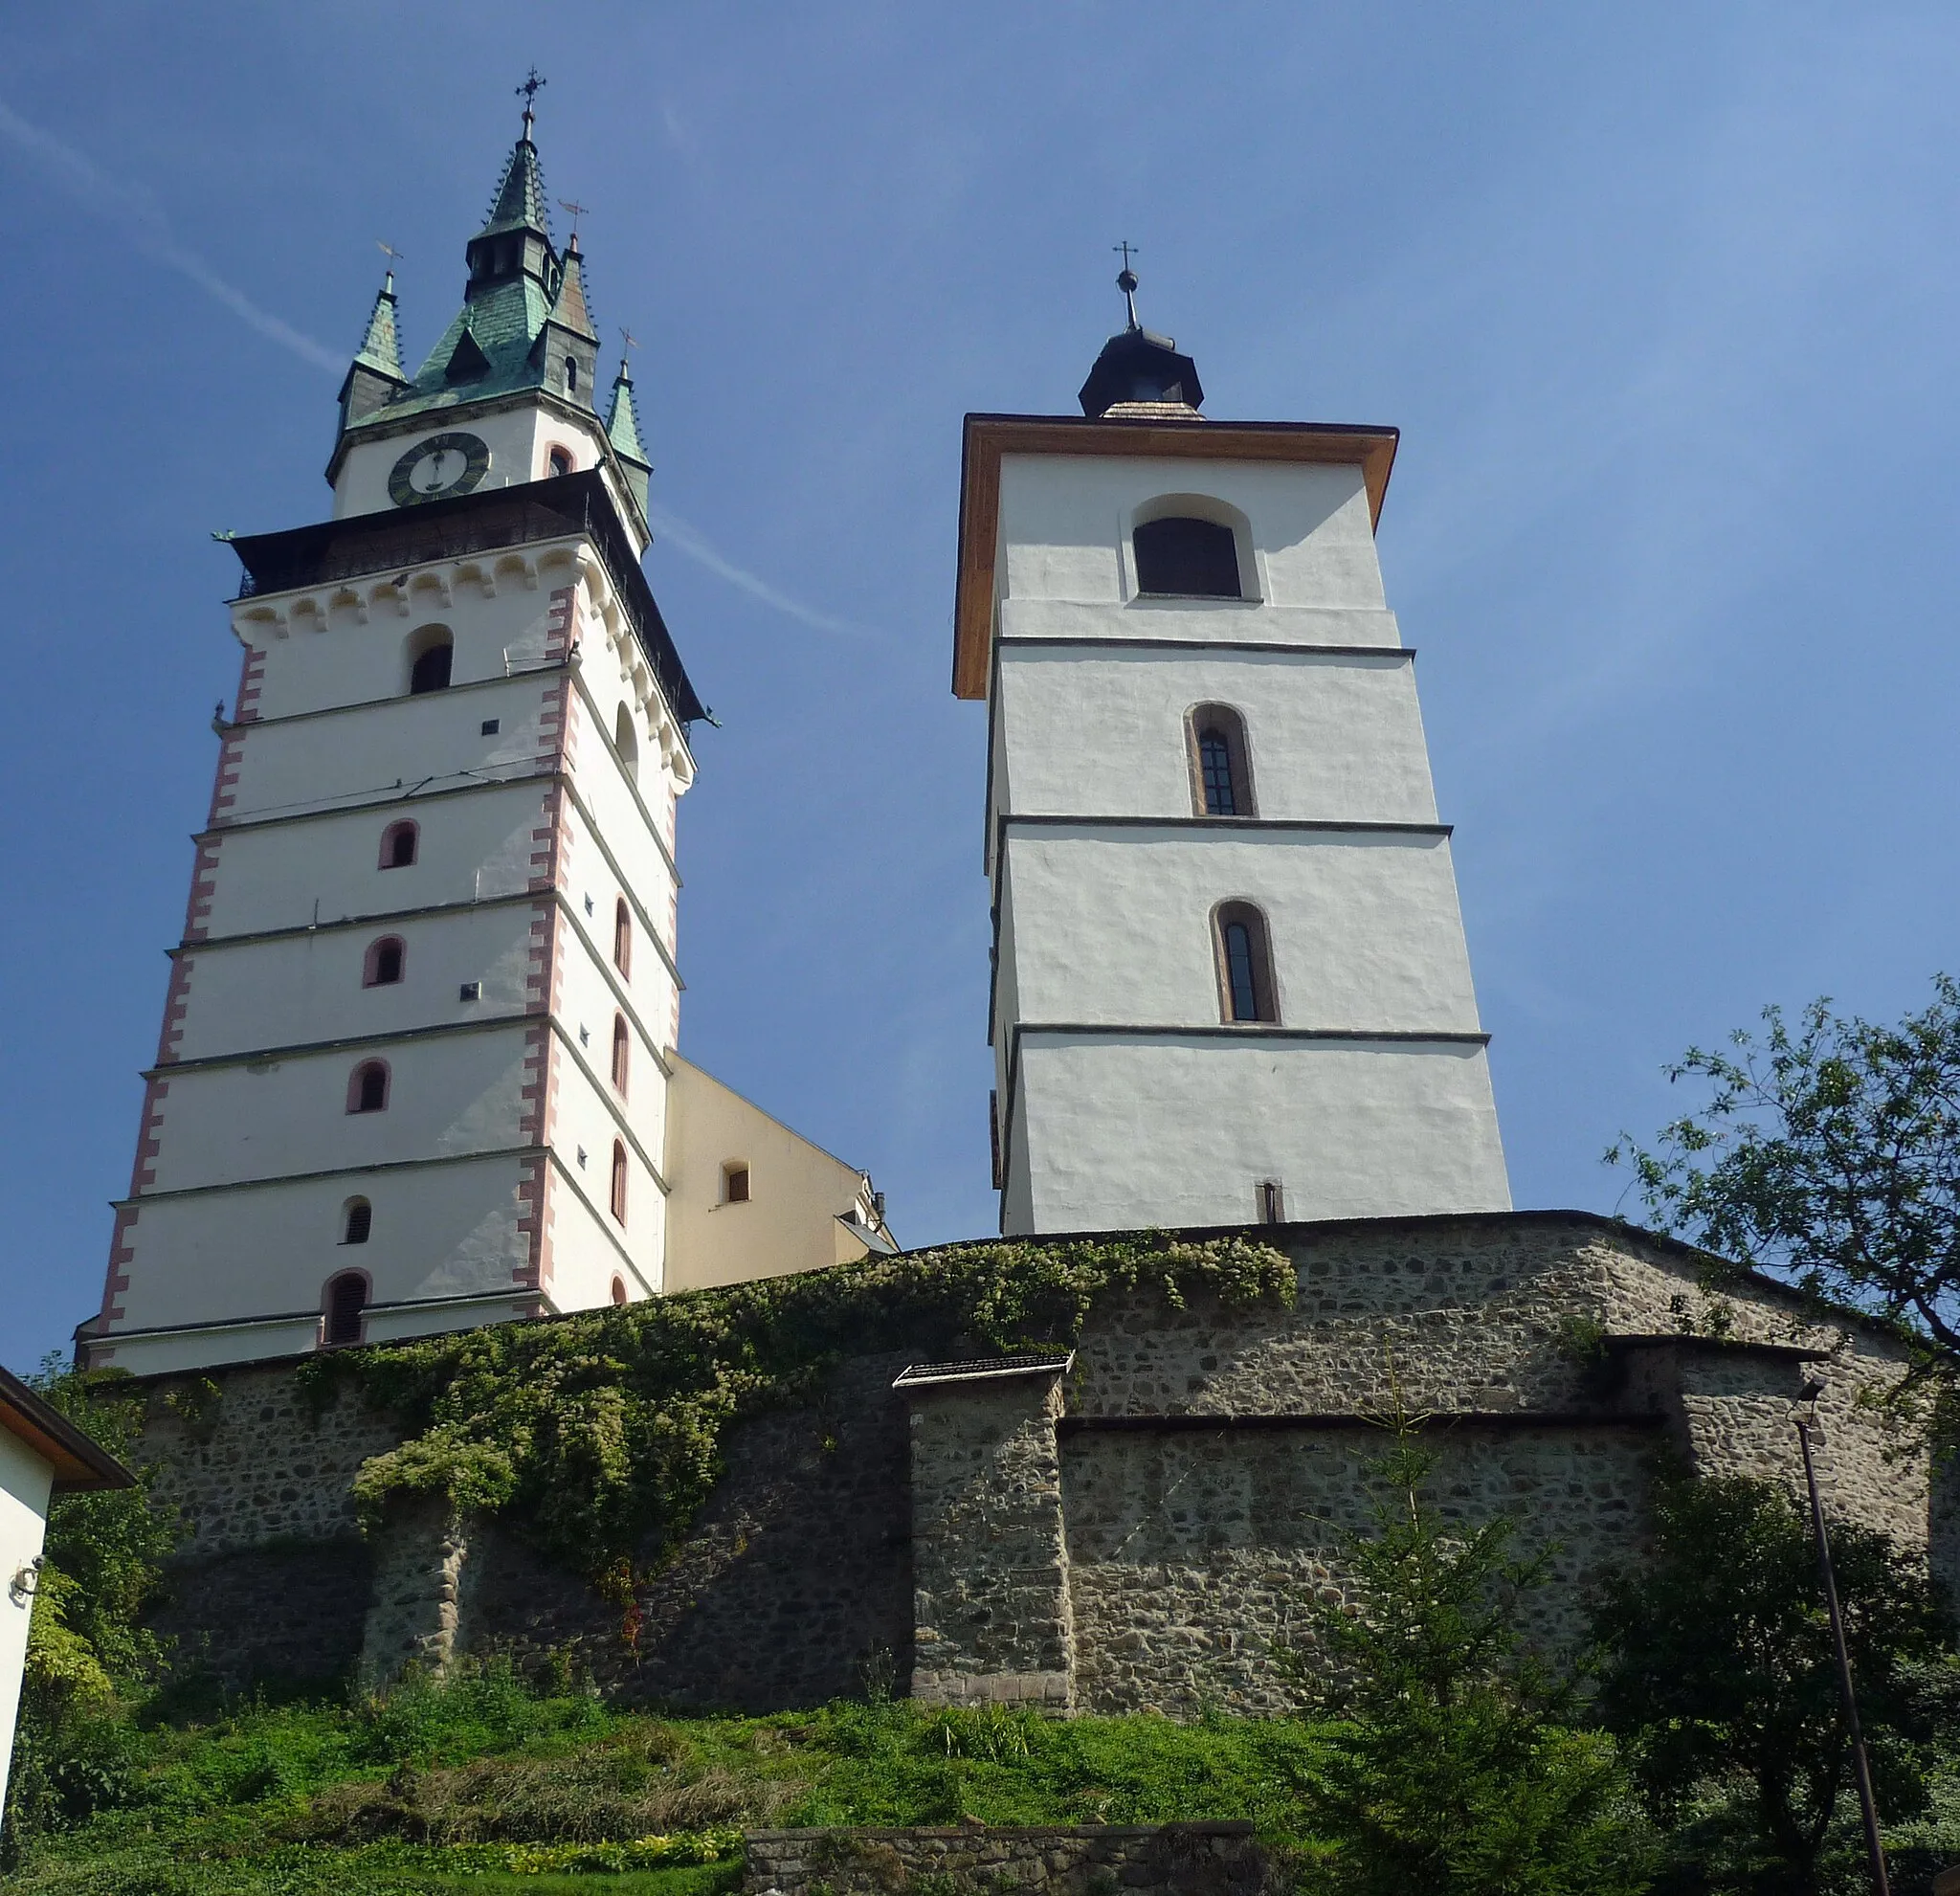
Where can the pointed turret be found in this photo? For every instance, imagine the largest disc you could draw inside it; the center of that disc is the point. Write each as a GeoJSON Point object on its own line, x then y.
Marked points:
{"type": "Point", "coordinates": [567, 351]}
{"type": "Point", "coordinates": [622, 429]}
{"type": "Point", "coordinates": [375, 376]}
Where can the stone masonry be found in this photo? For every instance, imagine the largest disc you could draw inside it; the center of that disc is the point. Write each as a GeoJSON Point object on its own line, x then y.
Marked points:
{"type": "Point", "coordinates": [1130, 1527]}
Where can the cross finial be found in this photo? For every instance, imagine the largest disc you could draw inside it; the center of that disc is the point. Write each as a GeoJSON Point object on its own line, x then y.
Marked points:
{"type": "Point", "coordinates": [529, 89]}
{"type": "Point", "coordinates": [1126, 281]}
{"type": "Point", "coordinates": [393, 257]}
{"type": "Point", "coordinates": [630, 343]}
{"type": "Point", "coordinates": [573, 209]}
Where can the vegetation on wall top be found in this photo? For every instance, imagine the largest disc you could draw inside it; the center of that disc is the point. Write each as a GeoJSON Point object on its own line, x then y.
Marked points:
{"type": "Point", "coordinates": [602, 1433]}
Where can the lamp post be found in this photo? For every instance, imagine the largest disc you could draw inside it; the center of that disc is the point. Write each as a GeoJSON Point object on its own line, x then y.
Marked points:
{"type": "Point", "coordinates": [1875, 1850]}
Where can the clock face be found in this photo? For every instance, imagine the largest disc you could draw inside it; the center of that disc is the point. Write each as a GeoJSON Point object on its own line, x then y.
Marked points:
{"type": "Point", "coordinates": [434, 469]}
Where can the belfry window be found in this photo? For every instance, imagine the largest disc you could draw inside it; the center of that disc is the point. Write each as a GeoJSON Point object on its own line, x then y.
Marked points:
{"type": "Point", "coordinates": [431, 653]}
{"type": "Point", "coordinates": [1245, 964]}
{"type": "Point", "coordinates": [1221, 777]}
{"type": "Point", "coordinates": [619, 1201]}
{"type": "Point", "coordinates": [560, 461]}
{"type": "Point", "coordinates": [626, 744]}
{"type": "Point", "coordinates": [385, 960]}
{"type": "Point", "coordinates": [398, 846]}
{"type": "Point", "coordinates": [358, 1223]}
{"type": "Point", "coordinates": [346, 1297]}
{"type": "Point", "coordinates": [368, 1087]}
{"type": "Point", "coordinates": [1180, 557]}
{"type": "Point", "coordinates": [570, 377]}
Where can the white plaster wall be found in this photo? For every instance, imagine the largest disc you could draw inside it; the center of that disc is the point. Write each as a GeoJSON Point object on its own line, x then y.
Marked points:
{"type": "Point", "coordinates": [797, 1191]}
{"type": "Point", "coordinates": [25, 1479]}
{"type": "Point", "coordinates": [587, 1117]}
{"type": "Point", "coordinates": [1210, 621]}
{"type": "Point", "coordinates": [447, 1230]}
{"type": "Point", "coordinates": [1066, 521]}
{"type": "Point", "coordinates": [333, 658]}
{"type": "Point", "coordinates": [520, 438]}
{"type": "Point", "coordinates": [1114, 926]}
{"type": "Point", "coordinates": [1118, 1135]}
{"type": "Point", "coordinates": [431, 742]}
{"type": "Point", "coordinates": [590, 993]}
{"type": "Point", "coordinates": [474, 844]}
{"type": "Point", "coordinates": [588, 1248]}
{"type": "Point", "coordinates": [449, 1095]}
{"type": "Point", "coordinates": [302, 989]}
{"type": "Point", "coordinates": [1097, 733]}
{"type": "Point", "coordinates": [628, 815]}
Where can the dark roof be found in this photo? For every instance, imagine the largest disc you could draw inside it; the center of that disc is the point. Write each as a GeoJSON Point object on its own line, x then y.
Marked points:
{"type": "Point", "coordinates": [481, 523]}
{"type": "Point", "coordinates": [79, 1463]}
{"type": "Point", "coordinates": [1136, 366]}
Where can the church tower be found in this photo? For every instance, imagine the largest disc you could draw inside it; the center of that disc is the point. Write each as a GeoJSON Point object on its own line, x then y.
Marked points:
{"type": "Point", "coordinates": [416, 1050]}
{"type": "Point", "coordinates": [1229, 979]}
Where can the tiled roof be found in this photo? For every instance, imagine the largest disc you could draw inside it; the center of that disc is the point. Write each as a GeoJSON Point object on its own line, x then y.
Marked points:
{"type": "Point", "coordinates": [520, 203]}
{"type": "Point", "coordinates": [380, 347]}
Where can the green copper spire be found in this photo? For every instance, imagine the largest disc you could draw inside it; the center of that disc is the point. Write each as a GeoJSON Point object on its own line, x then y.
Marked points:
{"type": "Point", "coordinates": [622, 429]}
{"type": "Point", "coordinates": [520, 202]}
{"type": "Point", "coordinates": [375, 377]}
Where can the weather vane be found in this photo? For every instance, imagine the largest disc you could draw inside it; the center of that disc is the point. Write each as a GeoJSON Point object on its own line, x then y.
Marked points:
{"type": "Point", "coordinates": [1126, 281]}
{"type": "Point", "coordinates": [529, 89]}
{"type": "Point", "coordinates": [573, 209]}
{"type": "Point", "coordinates": [632, 340]}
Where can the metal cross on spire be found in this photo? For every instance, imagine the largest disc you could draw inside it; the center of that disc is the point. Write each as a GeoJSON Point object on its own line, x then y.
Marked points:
{"type": "Point", "coordinates": [1126, 281]}
{"type": "Point", "coordinates": [529, 89]}
{"type": "Point", "coordinates": [630, 343]}
{"type": "Point", "coordinates": [573, 209]}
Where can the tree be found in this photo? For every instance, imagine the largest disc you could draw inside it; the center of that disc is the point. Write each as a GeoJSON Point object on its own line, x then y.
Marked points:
{"type": "Point", "coordinates": [1720, 1676]}
{"type": "Point", "coordinates": [1456, 1770]}
{"type": "Point", "coordinates": [1830, 1154]}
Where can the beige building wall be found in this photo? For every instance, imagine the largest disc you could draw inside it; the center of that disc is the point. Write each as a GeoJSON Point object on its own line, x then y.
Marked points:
{"type": "Point", "coordinates": [805, 1209]}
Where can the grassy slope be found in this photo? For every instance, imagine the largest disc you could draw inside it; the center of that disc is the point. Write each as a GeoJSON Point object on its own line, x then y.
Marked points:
{"type": "Point", "coordinates": [380, 1797]}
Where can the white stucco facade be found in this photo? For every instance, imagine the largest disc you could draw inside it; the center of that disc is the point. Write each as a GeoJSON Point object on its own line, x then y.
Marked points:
{"type": "Point", "coordinates": [1128, 1093]}
{"type": "Point", "coordinates": [26, 1478]}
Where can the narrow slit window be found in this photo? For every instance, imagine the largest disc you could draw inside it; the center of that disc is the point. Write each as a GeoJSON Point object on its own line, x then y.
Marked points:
{"type": "Point", "coordinates": [367, 1088]}
{"type": "Point", "coordinates": [622, 938]}
{"type": "Point", "coordinates": [398, 846]}
{"type": "Point", "coordinates": [1181, 558]}
{"type": "Point", "coordinates": [386, 960]}
{"type": "Point", "coordinates": [622, 1043]}
{"type": "Point", "coordinates": [570, 377]}
{"type": "Point", "coordinates": [1221, 773]}
{"type": "Point", "coordinates": [1272, 1198]}
{"type": "Point", "coordinates": [626, 744]}
{"type": "Point", "coordinates": [618, 1184]}
{"type": "Point", "coordinates": [1246, 967]}
{"type": "Point", "coordinates": [347, 1300]}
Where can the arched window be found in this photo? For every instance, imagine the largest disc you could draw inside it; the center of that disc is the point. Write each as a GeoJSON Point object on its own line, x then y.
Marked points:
{"type": "Point", "coordinates": [399, 845]}
{"type": "Point", "coordinates": [626, 742]}
{"type": "Point", "coordinates": [368, 1087]}
{"type": "Point", "coordinates": [431, 652]}
{"type": "Point", "coordinates": [1187, 558]}
{"type": "Point", "coordinates": [385, 959]}
{"type": "Point", "coordinates": [358, 1221]}
{"type": "Point", "coordinates": [619, 1290]}
{"type": "Point", "coordinates": [570, 377]}
{"type": "Point", "coordinates": [347, 1297]}
{"type": "Point", "coordinates": [1245, 963]}
{"type": "Point", "coordinates": [735, 1182]}
{"type": "Point", "coordinates": [1220, 770]}
{"type": "Point", "coordinates": [622, 1043]}
{"type": "Point", "coordinates": [618, 1183]}
{"type": "Point", "coordinates": [622, 938]}
{"type": "Point", "coordinates": [560, 461]}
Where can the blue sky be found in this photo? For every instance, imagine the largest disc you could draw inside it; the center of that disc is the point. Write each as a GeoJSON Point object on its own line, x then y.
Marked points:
{"type": "Point", "coordinates": [1662, 299]}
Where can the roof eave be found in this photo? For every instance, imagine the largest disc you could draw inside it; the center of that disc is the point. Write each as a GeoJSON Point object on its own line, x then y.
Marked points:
{"type": "Point", "coordinates": [990, 436]}
{"type": "Point", "coordinates": [80, 1464]}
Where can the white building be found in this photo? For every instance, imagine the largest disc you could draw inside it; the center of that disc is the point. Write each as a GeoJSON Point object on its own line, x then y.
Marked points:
{"type": "Point", "coordinates": [417, 1048]}
{"type": "Point", "coordinates": [1230, 977]}
{"type": "Point", "coordinates": [42, 1454]}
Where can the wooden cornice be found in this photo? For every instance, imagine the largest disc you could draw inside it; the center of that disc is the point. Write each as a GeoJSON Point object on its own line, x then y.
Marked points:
{"type": "Point", "coordinates": [990, 436]}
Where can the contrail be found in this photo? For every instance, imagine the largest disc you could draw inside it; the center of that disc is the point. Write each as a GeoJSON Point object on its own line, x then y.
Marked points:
{"type": "Point", "coordinates": [135, 213]}
{"type": "Point", "coordinates": [685, 538]}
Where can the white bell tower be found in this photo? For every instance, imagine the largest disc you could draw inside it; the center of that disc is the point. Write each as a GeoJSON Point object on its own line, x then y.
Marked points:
{"type": "Point", "coordinates": [417, 1045]}
{"type": "Point", "coordinates": [1229, 979]}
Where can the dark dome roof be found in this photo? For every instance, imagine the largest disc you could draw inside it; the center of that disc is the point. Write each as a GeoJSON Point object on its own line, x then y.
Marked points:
{"type": "Point", "coordinates": [1136, 366]}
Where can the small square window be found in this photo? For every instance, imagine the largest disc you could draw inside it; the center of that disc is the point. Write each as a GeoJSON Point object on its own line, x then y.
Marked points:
{"type": "Point", "coordinates": [584, 1036]}
{"type": "Point", "coordinates": [491, 726]}
{"type": "Point", "coordinates": [470, 990]}
{"type": "Point", "coordinates": [588, 904]}
{"type": "Point", "coordinates": [581, 1158]}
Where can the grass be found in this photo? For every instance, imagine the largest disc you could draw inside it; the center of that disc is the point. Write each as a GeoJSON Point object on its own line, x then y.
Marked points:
{"type": "Point", "coordinates": [443, 1787]}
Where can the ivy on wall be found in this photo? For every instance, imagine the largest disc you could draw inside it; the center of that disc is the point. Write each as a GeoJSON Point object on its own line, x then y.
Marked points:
{"type": "Point", "coordinates": [601, 1433]}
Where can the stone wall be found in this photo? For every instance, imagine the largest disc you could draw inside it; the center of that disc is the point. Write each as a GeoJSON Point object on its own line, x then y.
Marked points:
{"type": "Point", "coordinates": [1134, 1532]}
{"type": "Point", "coordinates": [1100, 1860]}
